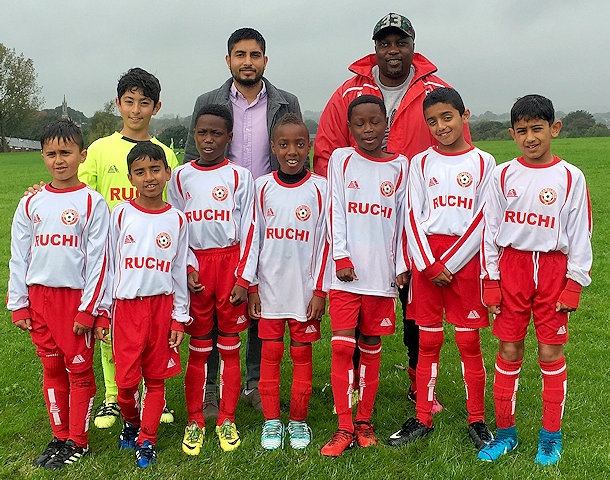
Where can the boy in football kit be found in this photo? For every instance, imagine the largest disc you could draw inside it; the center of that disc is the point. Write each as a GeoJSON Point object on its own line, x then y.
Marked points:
{"type": "Point", "coordinates": [536, 259]}
{"type": "Point", "coordinates": [444, 221]}
{"type": "Point", "coordinates": [64, 228]}
{"type": "Point", "coordinates": [291, 226]}
{"type": "Point", "coordinates": [217, 197]}
{"type": "Point", "coordinates": [367, 192]}
{"type": "Point", "coordinates": [105, 170]}
{"type": "Point", "coordinates": [148, 247]}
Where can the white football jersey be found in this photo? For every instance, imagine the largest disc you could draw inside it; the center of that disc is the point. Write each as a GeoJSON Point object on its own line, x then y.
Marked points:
{"type": "Point", "coordinates": [538, 208]}
{"type": "Point", "coordinates": [218, 202]}
{"type": "Point", "coordinates": [292, 244]}
{"type": "Point", "coordinates": [149, 252]}
{"type": "Point", "coordinates": [366, 222]}
{"type": "Point", "coordinates": [59, 238]}
{"type": "Point", "coordinates": [445, 197]}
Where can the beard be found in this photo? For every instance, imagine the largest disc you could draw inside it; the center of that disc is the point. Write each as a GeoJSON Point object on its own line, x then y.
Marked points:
{"type": "Point", "coordinates": [248, 81]}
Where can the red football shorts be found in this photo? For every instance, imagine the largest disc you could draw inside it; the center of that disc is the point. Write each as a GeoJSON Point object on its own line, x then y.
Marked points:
{"type": "Point", "coordinates": [531, 283]}
{"type": "Point", "coordinates": [217, 274]}
{"type": "Point", "coordinates": [53, 311]}
{"type": "Point", "coordinates": [373, 315]}
{"type": "Point", "coordinates": [303, 332]}
{"type": "Point", "coordinates": [460, 301]}
{"type": "Point", "coordinates": [140, 340]}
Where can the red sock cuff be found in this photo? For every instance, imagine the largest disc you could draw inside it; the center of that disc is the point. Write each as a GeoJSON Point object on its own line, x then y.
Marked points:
{"type": "Point", "coordinates": [228, 343]}
{"type": "Point", "coordinates": [200, 346]}
{"type": "Point", "coordinates": [507, 367]}
{"type": "Point", "coordinates": [553, 368]}
{"type": "Point", "coordinates": [301, 354]}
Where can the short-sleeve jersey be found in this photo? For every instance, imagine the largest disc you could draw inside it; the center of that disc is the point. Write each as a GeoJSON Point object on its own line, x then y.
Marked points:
{"type": "Point", "coordinates": [538, 208]}
{"type": "Point", "coordinates": [366, 221]}
{"type": "Point", "coordinates": [291, 243]}
{"type": "Point", "coordinates": [218, 202]}
{"type": "Point", "coordinates": [105, 168]}
{"type": "Point", "coordinates": [445, 197]}
{"type": "Point", "coordinates": [59, 238]}
{"type": "Point", "coordinates": [149, 254]}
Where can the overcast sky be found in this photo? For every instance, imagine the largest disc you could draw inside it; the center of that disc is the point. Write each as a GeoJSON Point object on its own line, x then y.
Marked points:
{"type": "Point", "coordinates": [492, 51]}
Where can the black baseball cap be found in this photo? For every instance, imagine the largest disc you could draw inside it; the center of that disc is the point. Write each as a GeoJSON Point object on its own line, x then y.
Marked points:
{"type": "Point", "coordinates": [396, 21]}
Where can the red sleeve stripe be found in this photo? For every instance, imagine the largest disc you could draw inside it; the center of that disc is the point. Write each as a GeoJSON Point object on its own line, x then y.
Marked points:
{"type": "Point", "coordinates": [465, 236]}
{"type": "Point", "coordinates": [320, 279]}
{"type": "Point", "coordinates": [236, 178]}
{"type": "Point", "coordinates": [413, 225]}
{"type": "Point", "coordinates": [179, 184]}
{"type": "Point", "coordinates": [98, 288]}
{"type": "Point", "coordinates": [502, 180]}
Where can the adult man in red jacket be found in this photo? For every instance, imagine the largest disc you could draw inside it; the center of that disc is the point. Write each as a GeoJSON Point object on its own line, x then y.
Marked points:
{"type": "Point", "coordinates": [402, 78]}
{"type": "Point", "coordinates": [395, 73]}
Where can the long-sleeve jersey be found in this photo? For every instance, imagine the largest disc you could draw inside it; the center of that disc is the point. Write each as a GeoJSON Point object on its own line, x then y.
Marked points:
{"type": "Point", "coordinates": [366, 221]}
{"type": "Point", "coordinates": [59, 238]}
{"type": "Point", "coordinates": [445, 197]}
{"type": "Point", "coordinates": [218, 203]}
{"type": "Point", "coordinates": [149, 255]}
{"type": "Point", "coordinates": [538, 208]}
{"type": "Point", "coordinates": [105, 168]}
{"type": "Point", "coordinates": [291, 244]}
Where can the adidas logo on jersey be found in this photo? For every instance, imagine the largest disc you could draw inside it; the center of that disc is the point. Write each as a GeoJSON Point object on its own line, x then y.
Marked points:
{"type": "Point", "coordinates": [512, 193]}
{"type": "Point", "coordinates": [433, 182]}
{"type": "Point", "coordinates": [353, 184]}
{"type": "Point", "coordinates": [129, 239]}
{"type": "Point", "coordinates": [188, 195]}
{"type": "Point", "coordinates": [473, 315]}
{"type": "Point", "coordinates": [270, 213]}
{"type": "Point", "coordinates": [311, 329]}
{"type": "Point", "coordinates": [78, 359]}
{"type": "Point", "coordinates": [241, 319]}
{"type": "Point", "coordinates": [386, 322]}
{"type": "Point", "coordinates": [113, 169]}
{"type": "Point", "coordinates": [37, 218]}
{"type": "Point", "coordinates": [562, 330]}
{"type": "Point", "coordinates": [171, 363]}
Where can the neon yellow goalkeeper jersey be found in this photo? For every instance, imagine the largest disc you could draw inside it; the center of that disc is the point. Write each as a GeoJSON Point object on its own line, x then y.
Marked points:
{"type": "Point", "coordinates": [105, 168]}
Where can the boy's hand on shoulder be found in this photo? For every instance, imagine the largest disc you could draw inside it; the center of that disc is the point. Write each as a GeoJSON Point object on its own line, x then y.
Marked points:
{"type": "Point", "coordinates": [25, 324]}
{"type": "Point", "coordinates": [316, 308]}
{"type": "Point", "coordinates": [34, 189]}
{"type": "Point", "coordinates": [175, 338]}
{"type": "Point", "coordinates": [193, 282]}
{"type": "Point", "coordinates": [238, 295]}
{"type": "Point", "coordinates": [254, 305]}
{"type": "Point", "coordinates": [80, 329]}
{"type": "Point", "coordinates": [346, 274]}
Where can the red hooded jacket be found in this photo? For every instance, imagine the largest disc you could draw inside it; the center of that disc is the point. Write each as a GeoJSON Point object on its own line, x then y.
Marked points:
{"type": "Point", "coordinates": [409, 134]}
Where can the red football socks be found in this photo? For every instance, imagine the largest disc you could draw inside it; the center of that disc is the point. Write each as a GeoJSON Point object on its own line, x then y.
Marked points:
{"type": "Point", "coordinates": [370, 360]}
{"type": "Point", "coordinates": [506, 383]}
{"type": "Point", "coordinates": [554, 388]}
{"type": "Point", "coordinates": [195, 378]}
{"type": "Point", "coordinates": [430, 343]}
{"type": "Point", "coordinates": [469, 344]}
{"type": "Point", "coordinates": [302, 375]}
{"type": "Point", "coordinates": [230, 376]}
{"type": "Point", "coordinates": [269, 382]}
{"type": "Point", "coordinates": [342, 379]}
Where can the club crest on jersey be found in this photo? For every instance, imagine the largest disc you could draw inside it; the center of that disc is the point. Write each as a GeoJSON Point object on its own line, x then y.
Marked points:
{"type": "Point", "coordinates": [303, 213]}
{"type": "Point", "coordinates": [163, 240]}
{"type": "Point", "coordinates": [220, 193]}
{"type": "Point", "coordinates": [69, 217]}
{"type": "Point", "coordinates": [464, 179]}
{"type": "Point", "coordinates": [387, 189]}
{"type": "Point", "coordinates": [547, 196]}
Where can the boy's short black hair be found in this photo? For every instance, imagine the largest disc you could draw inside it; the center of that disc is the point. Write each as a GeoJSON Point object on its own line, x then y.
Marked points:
{"type": "Point", "coordinates": [445, 95]}
{"type": "Point", "coordinates": [531, 107]}
{"type": "Point", "coordinates": [219, 111]}
{"type": "Point", "coordinates": [62, 129]}
{"type": "Point", "coordinates": [366, 99]}
{"type": "Point", "coordinates": [288, 119]}
{"type": "Point", "coordinates": [143, 150]}
{"type": "Point", "coordinates": [245, 34]}
{"type": "Point", "coordinates": [138, 78]}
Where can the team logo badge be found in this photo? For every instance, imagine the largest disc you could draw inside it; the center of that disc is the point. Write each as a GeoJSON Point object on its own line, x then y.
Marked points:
{"type": "Point", "coordinates": [547, 196]}
{"type": "Point", "coordinates": [303, 213]}
{"type": "Point", "coordinates": [464, 179]}
{"type": "Point", "coordinates": [163, 240]}
{"type": "Point", "coordinates": [387, 189]}
{"type": "Point", "coordinates": [69, 217]}
{"type": "Point", "coordinates": [220, 193]}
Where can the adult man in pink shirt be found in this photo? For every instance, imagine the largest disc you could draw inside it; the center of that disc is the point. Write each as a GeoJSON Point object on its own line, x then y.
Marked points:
{"type": "Point", "coordinates": [256, 106]}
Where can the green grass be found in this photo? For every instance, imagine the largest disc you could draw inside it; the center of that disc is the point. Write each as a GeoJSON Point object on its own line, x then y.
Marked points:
{"type": "Point", "coordinates": [447, 453]}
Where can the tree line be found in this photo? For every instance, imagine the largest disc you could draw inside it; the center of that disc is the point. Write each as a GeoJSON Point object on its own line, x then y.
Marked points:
{"type": "Point", "coordinates": [21, 117]}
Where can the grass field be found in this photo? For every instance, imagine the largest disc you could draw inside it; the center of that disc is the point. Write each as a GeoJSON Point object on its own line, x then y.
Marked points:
{"type": "Point", "coordinates": [447, 453]}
